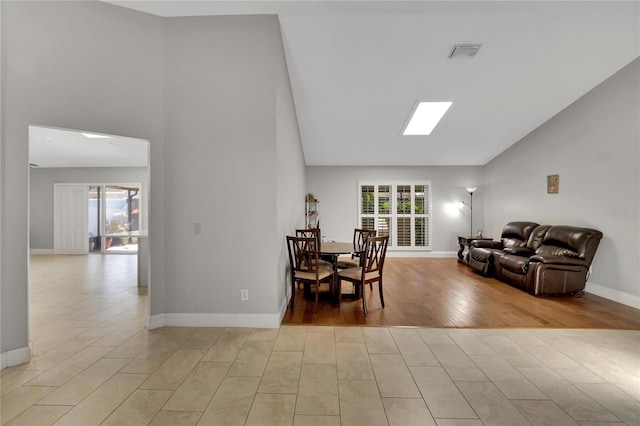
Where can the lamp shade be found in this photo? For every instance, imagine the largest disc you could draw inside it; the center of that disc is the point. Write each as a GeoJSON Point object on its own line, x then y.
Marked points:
{"type": "Point", "coordinates": [471, 189]}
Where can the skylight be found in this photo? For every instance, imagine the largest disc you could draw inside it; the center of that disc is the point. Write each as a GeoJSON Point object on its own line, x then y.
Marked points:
{"type": "Point", "coordinates": [425, 117]}
{"type": "Point", "coordinates": [96, 136]}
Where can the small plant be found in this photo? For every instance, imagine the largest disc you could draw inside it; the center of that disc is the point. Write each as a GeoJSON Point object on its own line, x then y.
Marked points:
{"type": "Point", "coordinates": [117, 224]}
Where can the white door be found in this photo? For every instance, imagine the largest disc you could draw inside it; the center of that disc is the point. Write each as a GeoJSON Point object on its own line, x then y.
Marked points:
{"type": "Point", "coordinates": [70, 219]}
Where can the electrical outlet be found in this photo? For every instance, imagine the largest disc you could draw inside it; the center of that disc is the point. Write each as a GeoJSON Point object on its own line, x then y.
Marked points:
{"type": "Point", "coordinates": [244, 294]}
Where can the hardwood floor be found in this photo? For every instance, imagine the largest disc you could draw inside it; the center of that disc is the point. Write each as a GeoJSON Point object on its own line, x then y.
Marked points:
{"type": "Point", "coordinates": [444, 293]}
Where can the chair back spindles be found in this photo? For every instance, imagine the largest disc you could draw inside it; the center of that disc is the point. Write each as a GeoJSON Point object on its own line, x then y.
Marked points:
{"type": "Point", "coordinates": [370, 271]}
{"type": "Point", "coordinates": [304, 252]}
{"type": "Point", "coordinates": [305, 266]}
{"type": "Point", "coordinates": [310, 233]}
{"type": "Point", "coordinates": [314, 233]}
{"type": "Point", "coordinates": [360, 236]}
{"type": "Point", "coordinates": [375, 253]}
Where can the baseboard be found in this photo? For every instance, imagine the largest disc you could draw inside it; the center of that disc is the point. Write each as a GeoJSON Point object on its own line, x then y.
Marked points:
{"type": "Point", "coordinates": [14, 357]}
{"type": "Point", "coordinates": [213, 320]}
{"type": "Point", "coordinates": [614, 295]}
{"type": "Point", "coordinates": [433, 254]}
{"type": "Point", "coordinates": [41, 251]}
{"type": "Point", "coordinates": [155, 321]}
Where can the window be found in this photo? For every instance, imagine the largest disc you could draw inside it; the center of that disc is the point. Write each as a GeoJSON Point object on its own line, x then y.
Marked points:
{"type": "Point", "coordinates": [400, 210]}
{"type": "Point", "coordinates": [114, 212]}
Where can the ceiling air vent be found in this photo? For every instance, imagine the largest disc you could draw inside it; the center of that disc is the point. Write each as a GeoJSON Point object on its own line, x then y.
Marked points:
{"type": "Point", "coordinates": [464, 50]}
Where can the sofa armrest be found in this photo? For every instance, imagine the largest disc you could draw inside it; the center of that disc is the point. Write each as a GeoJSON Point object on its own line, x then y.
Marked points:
{"type": "Point", "coordinates": [558, 260]}
{"type": "Point", "coordinates": [519, 251]}
{"type": "Point", "coordinates": [486, 244]}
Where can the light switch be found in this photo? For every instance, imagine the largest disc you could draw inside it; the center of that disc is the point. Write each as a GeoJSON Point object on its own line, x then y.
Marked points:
{"type": "Point", "coordinates": [197, 228]}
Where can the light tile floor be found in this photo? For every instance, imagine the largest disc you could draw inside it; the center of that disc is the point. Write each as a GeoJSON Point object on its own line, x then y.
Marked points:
{"type": "Point", "coordinates": [97, 364]}
{"type": "Point", "coordinates": [299, 375]}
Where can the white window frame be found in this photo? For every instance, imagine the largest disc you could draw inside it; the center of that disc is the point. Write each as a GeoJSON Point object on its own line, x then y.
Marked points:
{"type": "Point", "coordinates": [393, 241]}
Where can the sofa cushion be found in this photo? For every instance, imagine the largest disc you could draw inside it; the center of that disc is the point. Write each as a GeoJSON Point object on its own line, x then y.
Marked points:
{"type": "Point", "coordinates": [481, 254]}
{"type": "Point", "coordinates": [537, 236]}
{"type": "Point", "coordinates": [513, 263]}
{"type": "Point", "coordinates": [565, 252]}
{"type": "Point", "coordinates": [570, 241]}
{"type": "Point", "coordinates": [482, 259]}
{"type": "Point", "coordinates": [519, 251]}
{"type": "Point", "coordinates": [559, 260]}
{"type": "Point", "coordinates": [516, 234]}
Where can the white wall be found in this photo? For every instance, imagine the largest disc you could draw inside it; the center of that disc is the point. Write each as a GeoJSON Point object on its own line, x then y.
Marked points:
{"type": "Point", "coordinates": [77, 65]}
{"type": "Point", "coordinates": [41, 194]}
{"type": "Point", "coordinates": [337, 190]}
{"type": "Point", "coordinates": [594, 145]}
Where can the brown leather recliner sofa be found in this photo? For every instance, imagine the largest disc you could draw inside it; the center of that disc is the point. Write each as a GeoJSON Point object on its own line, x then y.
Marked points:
{"type": "Point", "coordinates": [541, 259]}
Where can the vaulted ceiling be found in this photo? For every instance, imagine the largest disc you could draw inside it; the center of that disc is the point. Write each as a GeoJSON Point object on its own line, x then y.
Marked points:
{"type": "Point", "coordinates": [357, 68]}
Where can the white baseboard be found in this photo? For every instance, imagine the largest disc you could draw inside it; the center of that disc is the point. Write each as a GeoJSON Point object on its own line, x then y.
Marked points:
{"type": "Point", "coordinates": [213, 320]}
{"type": "Point", "coordinates": [41, 251]}
{"type": "Point", "coordinates": [14, 357]}
{"type": "Point", "coordinates": [433, 254]}
{"type": "Point", "coordinates": [155, 321]}
{"type": "Point", "coordinates": [614, 295]}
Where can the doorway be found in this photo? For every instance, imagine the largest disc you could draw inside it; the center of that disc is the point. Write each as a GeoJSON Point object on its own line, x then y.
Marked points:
{"type": "Point", "coordinates": [112, 169]}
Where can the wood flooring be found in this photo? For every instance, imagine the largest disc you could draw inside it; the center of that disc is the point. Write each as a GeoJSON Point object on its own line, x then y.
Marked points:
{"type": "Point", "coordinates": [432, 292]}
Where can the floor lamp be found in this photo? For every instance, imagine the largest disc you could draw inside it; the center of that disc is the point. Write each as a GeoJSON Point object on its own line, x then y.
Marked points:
{"type": "Point", "coordinates": [471, 190]}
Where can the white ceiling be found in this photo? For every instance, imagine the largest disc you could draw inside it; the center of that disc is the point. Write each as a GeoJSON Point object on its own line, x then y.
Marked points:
{"type": "Point", "coordinates": [357, 69]}
{"type": "Point", "coordinates": [52, 147]}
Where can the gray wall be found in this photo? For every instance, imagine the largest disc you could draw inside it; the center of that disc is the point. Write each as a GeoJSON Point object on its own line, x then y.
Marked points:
{"type": "Point", "coordinates": [594, 145]}
{"type": "Point", "coordinates": [337, 189]}
{"type": "Point", "coordinates": [41, 195]}
{"type": "Point", "coordinates": [212, 97]}
{"type": "Point", "coordinates": [290, 178]}
{"type": "Point", "coordinates": [2, 178]}
{"type": "Point", "coordinates": [76, 65]}
{"type": "Point", "coordinates": [222, 75]}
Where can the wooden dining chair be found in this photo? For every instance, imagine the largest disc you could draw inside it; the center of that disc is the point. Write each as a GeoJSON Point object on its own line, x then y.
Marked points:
{"type": "Point", "coordinates": [360, 237]}
{"type": "Point", "coordinates": [305, 268]}
{"type": "Point", "coordinates": [314, 233]}
{"type": "Point", "coordinates": [370, 271]}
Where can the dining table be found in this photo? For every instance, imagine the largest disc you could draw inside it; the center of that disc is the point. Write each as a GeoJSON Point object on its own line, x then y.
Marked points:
{"type": "Point", "coordinates": [331, 250]}
{"type": "Point", "coordinates": [335, 249]}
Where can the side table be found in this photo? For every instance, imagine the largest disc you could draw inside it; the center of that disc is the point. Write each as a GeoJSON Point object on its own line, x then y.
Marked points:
{"type": "Point", "coordinates": [464, 242]}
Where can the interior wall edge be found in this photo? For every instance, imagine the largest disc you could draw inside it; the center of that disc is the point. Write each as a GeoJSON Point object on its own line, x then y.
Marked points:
{"type": "Point", "coordinates": [14, 357]}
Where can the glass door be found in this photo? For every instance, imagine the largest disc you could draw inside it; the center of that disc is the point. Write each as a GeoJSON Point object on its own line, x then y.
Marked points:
{"type": "Point", "coordinates": [95, 210]}
{"type": "Point", "coordinates": [121, 218]}
{"type": "Point", "coordinates": [114, 218]}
